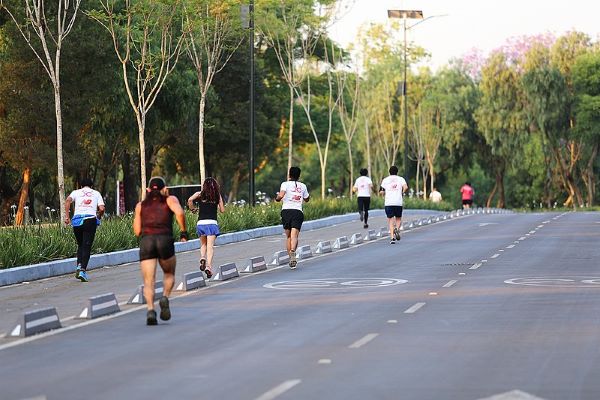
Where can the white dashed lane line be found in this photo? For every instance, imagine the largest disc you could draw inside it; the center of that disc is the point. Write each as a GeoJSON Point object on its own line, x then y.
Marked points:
{"type": "Point", "coordinates": [495, 255]}
{"type": "Point", "coordinates": [475, 266]}
{"type": "Point", "coordinates": [413, 309]}
{"type": "Point", "coordinates": [279, 390]}
{"type": "Point", "coordinates": [364, 340]}
{"type": "Point", "coordinates": [510, 246]}
{"type": "Point", "coordinates": [450, 283]}
{"type": "Point", "coordinates": [325, 361]}
{"type": "Point", "coordinates": [392, 321]}
{"type": "Point", "coordinates": [522, 238]}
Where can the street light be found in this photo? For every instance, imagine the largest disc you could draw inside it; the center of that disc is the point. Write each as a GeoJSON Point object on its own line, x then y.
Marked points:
{"type": "Point", "coordinates": [406, 14]}
{"type": "Point", "coordinates": [248, 22]}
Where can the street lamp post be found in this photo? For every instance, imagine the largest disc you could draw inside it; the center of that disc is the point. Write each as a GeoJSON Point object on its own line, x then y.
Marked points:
{"type": "Point", "coordinates": [247, 14]}
{"type": "Point", "coordinates": [405, 14]}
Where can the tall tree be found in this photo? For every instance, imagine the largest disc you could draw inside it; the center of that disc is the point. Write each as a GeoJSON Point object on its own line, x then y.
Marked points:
{"type": "Point", "coordinates": [50, 32]}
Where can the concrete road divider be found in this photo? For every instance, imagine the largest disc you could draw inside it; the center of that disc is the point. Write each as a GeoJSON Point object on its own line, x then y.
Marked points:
{"type": "Point", "coordinates": [341, 243]}
{"type": "Point", "coordinates": [383, 231]}
{"type": "Point", "coordinates": [356, 239]}
{"type": "Point", "coordinates": [280, 258]}
{"type": "Point", "coordinates": [36, 321]}
{"type": "Point", "coordinates": [304, 252]}
{"type": "Point", "coordinates": [226, 271]}
{"type": "Point", "coordinates": [100, 305]}
{"type": "Point", "coordinates": [191, 281]}
{"type": "Point", "coordinates": [256, 264]}
{"type": "Point", "coordinates": [138, 296]}
{"type": "Point", "coordinates": [324, 247]}
{"type": "Point", "coordinates": [370, 235]}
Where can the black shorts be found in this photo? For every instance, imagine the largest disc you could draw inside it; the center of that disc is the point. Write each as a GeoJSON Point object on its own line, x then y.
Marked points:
{"type": "Point", "coordinates": [467, 202]}
{"type": "Point", "coordinates": [364, 203]}
{"type": "Point", "coordinates": [393, 211]}
{"type": "Point", "coordinates": [292, 219]}
{"type": "Point", "coordinates": [157, 246]}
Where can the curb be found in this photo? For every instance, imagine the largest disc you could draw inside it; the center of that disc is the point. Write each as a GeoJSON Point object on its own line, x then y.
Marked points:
{"type": "Point", "coordinates": [67, 266]}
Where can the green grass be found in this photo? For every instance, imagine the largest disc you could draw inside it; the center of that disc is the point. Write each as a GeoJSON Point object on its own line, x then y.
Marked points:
{"type": "Point", "coordinates": [41, 243]}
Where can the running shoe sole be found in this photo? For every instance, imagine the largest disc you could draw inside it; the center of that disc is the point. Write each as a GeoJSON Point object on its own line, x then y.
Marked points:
{"type": "Point", "coordinates": [397, 233]}
{"type": "Point", "coordinates": [293, 261]}
{"type": "Point", "coordinates": [151, 318]}
{"type": "Point", "coordinates": [82, 276]}
{"type": "Point", "coordinates": [165, 311]}
{"type": "Point", "coordinates": [202, 264]}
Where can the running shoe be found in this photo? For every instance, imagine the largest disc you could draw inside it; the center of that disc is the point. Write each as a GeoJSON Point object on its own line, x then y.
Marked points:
{"type": "Point", "coordinates": [393, 241]}
{"type": "Point", "coordinates": [365, 226]}
{"type": "Point", "coordinates": [293, 261]}
{"type": "Point", "coordinates": [397, 233]}
{"type": "Point", "coordinates": [361, 215]}
{"type": "Point", "coordinates": [82, 276]}
{"type": "Point", "coordinates": [151, 318]}
{"type": "Point", "coordinates": [202, 264]}
{"type": "Point", "coordinates": [77, 271]}
{"type": "Point", "coordinates": [208, 273]}
{"type": "Point", "coordinates": [165, 311]}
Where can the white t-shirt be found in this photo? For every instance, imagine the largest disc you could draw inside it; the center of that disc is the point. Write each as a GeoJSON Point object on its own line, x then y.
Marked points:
{"type": "Point", "coordinates": [86, 201]}
{"type": "Point", "coordinates": [295, 193]}
{"type": "Point", "coordinates": [363, 185]}
{"type": "Point", "coordinates": [435, 196]}
{"type": "Point", "coordinates": [393, 185]}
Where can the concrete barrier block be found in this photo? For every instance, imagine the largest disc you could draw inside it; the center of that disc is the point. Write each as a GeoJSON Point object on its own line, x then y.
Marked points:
{"type": "Point", "coordinates": [36, 321]}
{"type": "Point", "coordinates": [370, 235]}
{"type": "Point", "coordinates": [383, 231]}
{"type": "Point", "coordinates": [138, 296]}
{"type": "Point", "coordinates": [256, 264]}
{"type": "Point", "coordinates": [304, 252]}
{"type": "Point", "coordinates": [356, 239]}
{"type": "Point", "coordinates": [98, 306]}
{"type": "Point", "coordinates": [324, 247]}
{"type": "Point", "coordinates": [280, 258]}
{"type": "Point", "coordinates": [225, 272]}
{"type": "Point", "coordinates": [341, 243]}
{"type": "Point", "coordinates": [191, 281]}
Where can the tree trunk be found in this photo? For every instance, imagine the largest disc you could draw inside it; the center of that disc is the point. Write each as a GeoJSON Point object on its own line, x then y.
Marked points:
{"type": "Point", "coordinates": [235, 186]}
{"type": "Point", "coordinates": [59, 146]}
{"type": "Point", "coordinates": [291, 130]}
{"type": "Point", "coordinates": [201, 108]}
{"type": "Point", "coordinates": [322, 180]}
{"type": "Point", "coordinates": [369, 168]}
{"type": "Point", "coordinates": [590, 179]}
{"type": "Point", "coordinates": [500, 185]}
{"type": "Point", "coordinates": [141, 120]}
{"type": "Point", "coordinates": [351, 168]}
{"type": "Point", "coordinates": [20, 217]}
{"type": "Point", "coordinates": [490, 198]}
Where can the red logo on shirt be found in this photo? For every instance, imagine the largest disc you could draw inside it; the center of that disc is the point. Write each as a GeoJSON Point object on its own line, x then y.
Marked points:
{"type": "Point", "coordinates": [87, 202]}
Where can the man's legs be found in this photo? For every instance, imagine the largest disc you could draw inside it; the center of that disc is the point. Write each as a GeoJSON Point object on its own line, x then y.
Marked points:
{"type": "Point", "coordinates": [360, 203]}
{"type": "Point", "coordinates": [148, 268]}
{"type": "Point", "coordinates": [168, 267]}
{"type": "Point", "coordinates": [78, 232]}
{"type": "Point", "coordinates": [367, 205]}
{"type": "Point", "coordinates": [391, 227]}
{"type": "Point", "coordinates": [89, 233]}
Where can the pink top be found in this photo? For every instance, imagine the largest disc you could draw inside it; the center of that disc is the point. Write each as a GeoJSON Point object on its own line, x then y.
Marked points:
{"type": "Point", "coordinates": [467, 192]}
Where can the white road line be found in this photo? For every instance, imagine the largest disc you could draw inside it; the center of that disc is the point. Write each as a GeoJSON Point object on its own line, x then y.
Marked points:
{"type": "Point", "coordinates": [495, 255]}
{"type": "Point", "coordinates": [364, 340]}
{"type": "Point", "coordinates": [532, 232]}
{"type": "Point", "coordinates": [413, 309]}
{"type": "Point", "coordinates": [392, 321]}
{"type": "Point", "coordinates": [450, 283]}
{"type": "Point", "coordinates": [483, 261]}
{"type": "Point", "coordinates": [279, 389]}
{"type": "Point", "coordinates": [433, 293]}
{"type": "Point", "coordinates": [475, 266]}
{"type": "Point", "coordinates": [501, 250]}
{"type": "Point", "coordinates": [540, 226]}
{"type": "Point", "coordinates": [324, 361]}
{"type": "Point", "coordinates": [546, 222]}
{"type": "Point", "coordinates": [522, 238]}
{"type": "Point", "coordinates": [510, 246]}
{"type": "Point", "coordinates": [461, 273]}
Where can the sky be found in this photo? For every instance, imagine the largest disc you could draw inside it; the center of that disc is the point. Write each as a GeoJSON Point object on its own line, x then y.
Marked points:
{"type": "Point", "coordinates": [469, 24]}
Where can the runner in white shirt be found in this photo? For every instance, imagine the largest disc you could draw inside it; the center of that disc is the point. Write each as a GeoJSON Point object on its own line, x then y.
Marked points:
{"type": "Point", "coordinates": [393, 187]}
{"type": "Point", "coordinates": [435, 196]}
{"type": "Point", "coordinates": [362, 187]}
{"type": "Point", "coordinates": [293, 193]}
{"type": "Point", "coordinates": [89, 208]}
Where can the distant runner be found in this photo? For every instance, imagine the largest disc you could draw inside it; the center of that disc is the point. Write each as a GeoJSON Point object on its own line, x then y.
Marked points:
{"type": "Point", "coordinates": [293, 193]}
{"type": "Point", "coordinates": [362, 187]}
{"type": "Point", "coordinates": [89, 208]}
{"type": "Point", "coordinates": [393, 187]}
{"type": "Point", "coordinates": [207, 226]}
{"type": "Point", "coordinates": [467, 195]}
{"type": "Point", "coordinates": [435, 196]}
{"type": "Point", "coordinates": [153, 220]}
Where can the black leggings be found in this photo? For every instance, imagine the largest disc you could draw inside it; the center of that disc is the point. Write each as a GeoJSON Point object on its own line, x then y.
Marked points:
{"type": "Point", "coordinates": [84, 235]}
{"type": "Point", "coordinates": [364, 203]}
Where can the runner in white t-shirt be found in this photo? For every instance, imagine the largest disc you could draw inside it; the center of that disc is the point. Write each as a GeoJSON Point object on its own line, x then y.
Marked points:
{"type": "Point", "coordinates": [362, 187]}
{"type": "Point", "coordinates": [435, 196]}
{"type": "Point", "coordinates": [293, 193]}
{"type": "Point", "coordinates": [393, 187]}
{"type": "Point", "coordinates": [89, 208]}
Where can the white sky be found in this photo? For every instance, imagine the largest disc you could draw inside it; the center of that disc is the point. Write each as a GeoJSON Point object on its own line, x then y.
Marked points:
{"type": "Point", "coordinates": [482, 24]}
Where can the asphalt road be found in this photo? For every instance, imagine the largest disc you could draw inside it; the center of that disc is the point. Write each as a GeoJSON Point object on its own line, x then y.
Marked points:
{"type": "Point", "coordinates": [481, 306]}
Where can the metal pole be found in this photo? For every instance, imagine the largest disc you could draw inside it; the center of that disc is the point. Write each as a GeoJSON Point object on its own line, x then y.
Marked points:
{"type": "Point", "coordinates": [251, 194]}
{"type": "Point", "coordinates": [404, 94]}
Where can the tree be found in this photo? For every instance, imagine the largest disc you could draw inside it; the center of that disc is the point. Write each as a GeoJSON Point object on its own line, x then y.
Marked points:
{"type": "Point", "coordinates": [147, 43]}
{"type": "Point", "coordinates": [50, 35]}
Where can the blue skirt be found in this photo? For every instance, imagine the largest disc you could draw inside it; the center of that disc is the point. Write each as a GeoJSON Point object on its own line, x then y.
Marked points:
{"type": "Point", "coordinates": [208, 230]}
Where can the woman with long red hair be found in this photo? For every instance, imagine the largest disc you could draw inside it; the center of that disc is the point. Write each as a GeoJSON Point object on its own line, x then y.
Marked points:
{"type": "Point", "coordinates": [209, 201]}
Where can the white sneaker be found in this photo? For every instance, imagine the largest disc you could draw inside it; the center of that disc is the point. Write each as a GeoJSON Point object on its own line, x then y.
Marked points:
{"type": "Point", "coordinates": [293, 261]}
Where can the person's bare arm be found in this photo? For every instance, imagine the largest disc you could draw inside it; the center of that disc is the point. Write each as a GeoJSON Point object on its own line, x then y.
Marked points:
{"type": "Point", "coordinates": [306, 199]}
{"type": "Point", "coordinates": [280, 195]}
{"type": "Point", "coordinates": [221, 205]}
{"type": "Point", "coordinates": [174, 205]}
{"type": "Point", "coordinates": [404, 188]}
{"type": "Point", "coordinates": [190, 201]}
{"type": "Point", "coordinates": [68, 210]}
{"type": "Point", "coordinates": [101, 210]}
{"type": "Point", "coordinates": [137, 220]}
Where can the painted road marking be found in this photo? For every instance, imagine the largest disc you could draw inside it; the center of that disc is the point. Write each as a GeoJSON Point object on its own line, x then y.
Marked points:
{"type": "Point", "coordinates": [450, 283]}
{"type": "Point", "coordinates": [475, 266]}
{"type": "Point", "coordinates": [540, 226]}
{"type": "Point", "coordinates": [510, 246]}
{"type": "Point", "coordinates": [364, 340]}
{"type": "Point", "coordinates": [522, 238]}
{"type": "Point", "coordinates": [495, 255]}
{"type": "Point", "coordinates": [324, 361]}
{"type": "Point", "coordinates": [433, 293]}
{"type": "Point", "coordinates": [413, 309]}
{"type": "Point", "coordinates": [279, 389]}
{"type": "Point", "coordinates": [462, 273]}
{"type": "Point", "coordinates": [513, 395]}
{"type": "Point", "coordinates": [483, 261]}
{"type": "Point", "coordinates": [336, 283]}
{"type": "Point", "coordinates": [558, 281]}
{"type": "Point", "coordinates": [501, 250]}
{"type": "Point", "coordinates": [546, 222]}
{"type": "Point", "coordinates": [392, 321]}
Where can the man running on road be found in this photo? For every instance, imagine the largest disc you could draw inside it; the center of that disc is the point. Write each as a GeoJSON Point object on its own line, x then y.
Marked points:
{"type": "Point", "coordinates": [393, 187]}
{"type": "Point", "coordinates": [362, 187]}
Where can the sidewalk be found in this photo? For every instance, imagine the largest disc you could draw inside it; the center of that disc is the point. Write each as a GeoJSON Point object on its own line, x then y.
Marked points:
{"type": "Point", "coordinates": [69, 295]}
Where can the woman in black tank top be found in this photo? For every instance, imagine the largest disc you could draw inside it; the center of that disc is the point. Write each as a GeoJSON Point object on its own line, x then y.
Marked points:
{"type": "Point", "coordinates": [153, 221]}
{"type": "Point", "coordinates": [209, 200]}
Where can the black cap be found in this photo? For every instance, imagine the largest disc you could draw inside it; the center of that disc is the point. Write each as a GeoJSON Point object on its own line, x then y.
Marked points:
{"type": "Point", "coordinates": [157, 183]}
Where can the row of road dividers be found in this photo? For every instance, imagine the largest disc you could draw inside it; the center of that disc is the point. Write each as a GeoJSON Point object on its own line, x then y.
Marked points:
{"type": "Point", "coordinates": [42, 320]}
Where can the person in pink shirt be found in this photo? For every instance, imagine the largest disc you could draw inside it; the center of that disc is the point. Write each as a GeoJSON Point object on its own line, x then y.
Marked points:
{"type": "Point", "coordinates": [467, 195]}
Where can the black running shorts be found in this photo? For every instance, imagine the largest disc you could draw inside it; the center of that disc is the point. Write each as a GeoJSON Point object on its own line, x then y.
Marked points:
{"type": "Point", "coordinates": [157, 246]}
{"type": "Point", "coordinates": [292, 219]}
{"type": "Point", "coordinates": [467, 202]}
{"type": "Point", "coordinates": [393, 211]}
